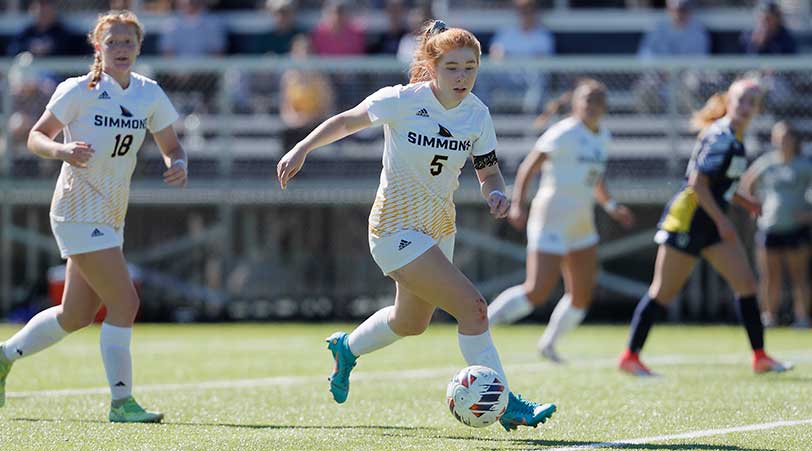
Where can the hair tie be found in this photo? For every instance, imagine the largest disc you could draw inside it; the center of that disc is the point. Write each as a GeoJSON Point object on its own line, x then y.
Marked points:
{"type": "Point", "coordinates": [438, 27]}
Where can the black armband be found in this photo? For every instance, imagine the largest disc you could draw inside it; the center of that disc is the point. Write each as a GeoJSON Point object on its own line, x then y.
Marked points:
{"type": "Point", "coordinates": [483, 161]}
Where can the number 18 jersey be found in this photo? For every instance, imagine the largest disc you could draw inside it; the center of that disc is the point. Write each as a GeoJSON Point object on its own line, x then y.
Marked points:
{"type": "Point", "coordinates": [113, 121]}
{"type": "Point", "coordinates": [425, 148]}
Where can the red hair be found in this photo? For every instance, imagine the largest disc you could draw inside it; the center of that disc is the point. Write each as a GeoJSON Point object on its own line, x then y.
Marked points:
{"type": "Point", "coordinates": [95, 37]}
{"type": "Point", "coordinates": [435, 41]}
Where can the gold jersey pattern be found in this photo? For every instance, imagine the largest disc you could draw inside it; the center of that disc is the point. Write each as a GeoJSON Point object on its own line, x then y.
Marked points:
{"type": "Point", "coordinates": [425, 149]}
{"type": "Point", "coordinates": [114, 122]}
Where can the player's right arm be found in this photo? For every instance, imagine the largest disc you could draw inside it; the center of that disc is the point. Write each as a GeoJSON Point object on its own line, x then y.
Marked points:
{"type": "Point", "coordinates": [529, 167]}
{"type": "Point", "coordinates": [329, 131]}
{"type": "Point", "coordinates": [41, 142]}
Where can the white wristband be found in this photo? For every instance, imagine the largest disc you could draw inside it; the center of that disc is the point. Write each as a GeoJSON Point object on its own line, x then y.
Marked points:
{"type": "Point", "coordinates": [496, 191]}
{"type": "Point", "coordinates": [610, 206]}
{"type": "Point", "coordinates": [180, 162]}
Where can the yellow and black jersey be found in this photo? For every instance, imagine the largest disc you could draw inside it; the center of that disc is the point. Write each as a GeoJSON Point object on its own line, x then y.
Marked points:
{"type": "Point", "coordinates": [720, 156]}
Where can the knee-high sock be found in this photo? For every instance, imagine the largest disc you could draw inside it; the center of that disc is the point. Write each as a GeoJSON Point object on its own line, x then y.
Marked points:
{"type": "Point", "coordinates": [479, 350]}
{"type": "Point", "coordinates": [647, 312]}
{"type": "Point", "coordinates": [510, 306]}
{"type": "Point", "coordinates": [748, 313]}
{"type": "Point", "coordinates": [373, 334]}
{"type": "Point", "coordinates": [42, 331]}
{"type": "Point", "coordinates": [564, 318]}
{"type": "Point", "coordinates": [115, 350]}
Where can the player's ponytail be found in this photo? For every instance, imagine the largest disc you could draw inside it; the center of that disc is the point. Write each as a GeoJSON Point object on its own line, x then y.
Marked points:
{"type": "Point", "coordinates": [435, 40]}
{"type": "Point", "coordinates": [95, 37]}
{"type": "Point", "coordinates": [715, 108]}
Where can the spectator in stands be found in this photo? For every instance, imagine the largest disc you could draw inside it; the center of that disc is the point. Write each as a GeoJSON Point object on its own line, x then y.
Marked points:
{"type": "Point", "coordinates": [561, 235]}
{"type": "Point", "coordinates": [285, 27]}
{"type": "Point", "coordinates": [193, 31]}
{"type": "Point", "coordinates": [695, 225]}
{"type": "Point", "coordinates": [527, 39]}
{"type": "Point", "coordinates": [388, 42]}
{"type": "Point", "coordinates": [46, 35]}
{"type": "Point", "coordinates": [781, 178]}
{"type": "Point", "coordinates": [120, 4]}
{"type": "Point", "coordinates": [306, 96]}
{"type": "Point", "coordinates": [337, 34]}
{"type": "Point", "coordinates": [680, 34]}
{"type": "Point", "coordinates": [30, 92]}
{"type": "Point", "coordinates": [418, 15]}
{"type": "Point", "coordinates": [770, 36]}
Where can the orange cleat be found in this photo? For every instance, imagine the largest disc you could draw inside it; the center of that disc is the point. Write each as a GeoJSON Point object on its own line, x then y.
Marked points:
{"type": "Point", "coordinates": [630, 363]}
{"type": "Point", "coordinates": [762, 363]}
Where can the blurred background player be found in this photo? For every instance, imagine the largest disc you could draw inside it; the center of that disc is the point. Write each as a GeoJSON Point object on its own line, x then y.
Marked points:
{"type": "Point", "coordinates": [781, 178]}
{"type": "Point", "coordinates": [104, 116]}
{"type": "Point", "coordinates": [431, 126]}
{"type": "Point", "coordinates": [695, 224]}
{"type": "Point", "coordinates": [561, 234]}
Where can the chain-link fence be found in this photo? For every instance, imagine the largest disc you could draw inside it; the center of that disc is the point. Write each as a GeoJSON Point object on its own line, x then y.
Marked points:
{"type": "Point", "coordinates": [233, 245]}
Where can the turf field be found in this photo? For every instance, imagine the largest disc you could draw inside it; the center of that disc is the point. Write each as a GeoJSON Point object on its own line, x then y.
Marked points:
{"type": "Point", "coordinates": [263, 387]}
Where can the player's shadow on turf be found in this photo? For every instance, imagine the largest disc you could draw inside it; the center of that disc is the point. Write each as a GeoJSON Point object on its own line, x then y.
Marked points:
{"type": "Point", "coordinates": [235, 425]}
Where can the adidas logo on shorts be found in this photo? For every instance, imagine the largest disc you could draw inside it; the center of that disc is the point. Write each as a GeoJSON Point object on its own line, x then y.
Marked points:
{"type": "Point", "coordinates": [403, 244]}
{"type": "Point", "coordinates": [422, 112]}
{"type": "Point", "coordinates": [95, 233]}
{"type": "Point", "coordinates": [104, 96]}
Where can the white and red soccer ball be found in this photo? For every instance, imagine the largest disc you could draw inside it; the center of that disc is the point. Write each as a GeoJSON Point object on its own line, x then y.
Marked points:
{"type": "Point", "coordinates": [477, 396]}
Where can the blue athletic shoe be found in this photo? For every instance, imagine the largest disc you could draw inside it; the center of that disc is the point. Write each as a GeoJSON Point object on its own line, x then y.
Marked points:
{"type": "Point", "coordinates": [344, 363]}
{"type": "Point", "coordinates": [521, 412]}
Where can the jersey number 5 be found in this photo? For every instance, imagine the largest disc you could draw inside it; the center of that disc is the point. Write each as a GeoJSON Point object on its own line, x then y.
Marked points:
{"type": "Point", "coordinates": [437, 164]}
{"type": "Point", "coordinates": [122, 145]}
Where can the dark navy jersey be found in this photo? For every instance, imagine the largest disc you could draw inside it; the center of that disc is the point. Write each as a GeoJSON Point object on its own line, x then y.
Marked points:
{"type": "Point", "coordinates": [720, 156]}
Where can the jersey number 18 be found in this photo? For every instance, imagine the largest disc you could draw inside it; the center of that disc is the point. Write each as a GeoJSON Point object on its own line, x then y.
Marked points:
{"type": "Point", "coordinates": [122, 145]}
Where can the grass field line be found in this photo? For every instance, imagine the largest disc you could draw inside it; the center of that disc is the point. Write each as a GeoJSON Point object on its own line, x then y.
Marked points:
{"type": "Point", "coordinates": [799, 356]}
{"type": "Point", "coordinates": [685, 435]}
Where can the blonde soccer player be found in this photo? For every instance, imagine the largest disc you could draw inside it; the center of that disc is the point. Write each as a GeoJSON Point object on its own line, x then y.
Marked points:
{"type": "Point", "coordinates": [431, 127]}
{"type": "Point", "coordinates": [104, 117]}
{"type": "Point", "coordinates": [561, 235]}
{"type": "Point", "coordinates": [695, 225]}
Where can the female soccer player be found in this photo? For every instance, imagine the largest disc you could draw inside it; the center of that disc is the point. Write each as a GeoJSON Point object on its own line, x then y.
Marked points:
{"type": "Point", "coordinates": [561, 235]}
{"type": "Point", "coordinates": [694, 224]}
{"type": "Point", "coordinates": [431, 126]}
{"type": "Point", "coordinates": [103, 116]}
{"type": "Point", "coordinates": [782, 178]}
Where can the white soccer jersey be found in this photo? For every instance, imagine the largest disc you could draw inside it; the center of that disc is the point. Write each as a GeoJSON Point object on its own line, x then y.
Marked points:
{"type": "Point", "coordinates": [576, 159]}
{"type": "Point", "coordinates": [425, 148]}
{"type": "Point", "coordinates": [113, 121]}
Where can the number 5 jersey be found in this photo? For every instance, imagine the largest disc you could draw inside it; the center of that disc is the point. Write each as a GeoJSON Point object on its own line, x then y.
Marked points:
{"type": "Point", "coordinates": [425, 148]}
{"type": "Point", "coordinates": [113, 121]}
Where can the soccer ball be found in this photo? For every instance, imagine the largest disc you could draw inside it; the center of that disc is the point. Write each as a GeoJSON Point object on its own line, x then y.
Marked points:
{"type": "Point", "coordinates": [476, 396]}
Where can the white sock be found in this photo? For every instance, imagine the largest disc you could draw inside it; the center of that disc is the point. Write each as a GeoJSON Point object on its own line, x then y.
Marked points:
{"type": "Point", "coordinates": [115, 350]}
{"type": "Point", "coordinates": [479, 350]}
{"type": "Point", "coordinates": [372, 334]}
{"type": "Point", "coordinates": [42, 331]}
{"type": "Point", "coordinates": [564, 318]}
{"type": "Point", "coordinates": [510, 306]}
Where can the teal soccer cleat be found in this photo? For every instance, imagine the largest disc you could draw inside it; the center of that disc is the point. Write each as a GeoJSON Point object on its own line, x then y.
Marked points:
{"type": "Point", "coordinates": [521, 412]}
{"type": "Point", "coordinates": [344, 363]}
{"type": "Point", "coordinates": [131, 412]}
{"type": "Point", "coordinates": [5, 367]}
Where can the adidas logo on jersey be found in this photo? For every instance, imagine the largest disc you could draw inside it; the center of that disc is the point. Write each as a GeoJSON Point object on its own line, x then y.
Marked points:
{"type": "Point", "coordinates": [125, 112]}
{"type": "Point", "coordinates": [95, 233]}
{"type": "Point", "coordinates": [444, 132]}
{"type": "Point", "coordinates": [403, 244]}
{"type": "Point", "coordinates": [104, 96]}
{"type": "Point", "coordinates": [422, 112]}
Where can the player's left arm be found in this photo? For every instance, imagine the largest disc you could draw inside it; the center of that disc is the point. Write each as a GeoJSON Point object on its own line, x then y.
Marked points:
{"type": "Point", "coordinates": [616, 211]}
{"type": "Point", "coordinates": [491, 183]}
{"type": "Point", "coordinates": [174, 156]}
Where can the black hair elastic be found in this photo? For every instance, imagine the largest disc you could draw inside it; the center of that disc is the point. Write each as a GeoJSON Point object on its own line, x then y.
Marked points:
{"type": "Point", "coordinates": [438, 27]}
